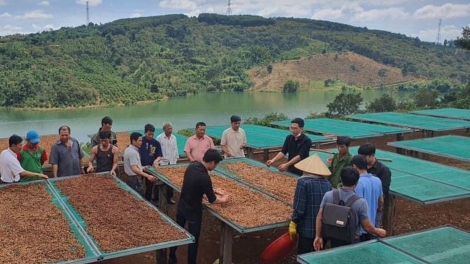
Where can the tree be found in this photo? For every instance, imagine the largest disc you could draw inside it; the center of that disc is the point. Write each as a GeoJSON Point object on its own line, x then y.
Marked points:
{"type": "Point", "coordinates": [270, 68]}
{"type": "Point", "coordinates": [345, 103]}
{"type": "Point", "coordinates": [291, 86]}
{"type": "Point", "coordinates": [464, 41]}
{"type": "Point", "coordinates": [426, 98]}
{"type": "Point", "coordinates": [385, 103]}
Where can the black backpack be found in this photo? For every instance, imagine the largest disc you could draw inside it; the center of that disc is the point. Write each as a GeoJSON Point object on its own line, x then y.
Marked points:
{"type": "Point", "coordinates": [339, 222]}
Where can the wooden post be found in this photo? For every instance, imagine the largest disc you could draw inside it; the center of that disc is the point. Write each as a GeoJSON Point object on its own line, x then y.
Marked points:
{"type": "Point", "coordinates": [266, 155]}
{"type": "Point", "coordinates": [400, 137]}
{"type": "Point", "coordinates": [249, 152]}
{"type": "Point", "coordinates": [226, 241]}
{"type": "Point", "coordinates": [388, 215]}
{"type": "Point", "coordinates": [163, 206]}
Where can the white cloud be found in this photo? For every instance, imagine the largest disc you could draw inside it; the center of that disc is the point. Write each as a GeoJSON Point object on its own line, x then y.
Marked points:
{"type": "Point", "coordinates": [10, 30]}
{"type": "Point", "coordinates": [136, 14]}
{"type": "Point", "coordinates": [49, 27]}
{"type": "Point", "coordinates": [445, 11]}
{"type": "Point", "coordinates": [43, 3]}
{"type": "Point", "coordinates": [35, 27]}
{"type": "Point", "coordinates": [392, 13]}
{"type": "Point", "coordinates": [5, 15]}
{"type": "Point", "coordinates": [37, 14]}
{"type": "Point", "coordinates": [178, 4]}
{"type": "Point", "coordinates": [327, 14]}
{"type": "Point", "coordinates": [90, 2]}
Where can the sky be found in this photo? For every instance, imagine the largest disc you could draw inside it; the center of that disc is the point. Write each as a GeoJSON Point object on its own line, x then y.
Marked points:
{"type": "Point", "coordinates": [414, 18]}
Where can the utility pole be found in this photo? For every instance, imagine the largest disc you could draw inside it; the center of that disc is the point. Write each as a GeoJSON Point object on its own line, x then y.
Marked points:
{"type": "Point", "coordinates": [229, 9]}
{"type": "Point", "coordinates": [87, 14]}
{"type": "Point", "coordinates": [438, 37]}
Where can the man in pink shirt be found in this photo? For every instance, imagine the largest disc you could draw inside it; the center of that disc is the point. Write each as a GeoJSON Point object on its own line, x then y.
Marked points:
{"type": "Point", "coordinates": [197, 145]}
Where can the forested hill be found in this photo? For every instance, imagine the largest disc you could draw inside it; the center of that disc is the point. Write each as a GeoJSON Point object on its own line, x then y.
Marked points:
{"type": "Point", "coordinates": [138, 59]}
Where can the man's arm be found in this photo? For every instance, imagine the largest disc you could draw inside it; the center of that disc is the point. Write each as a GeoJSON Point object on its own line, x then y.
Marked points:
{"type": "Point", "coordinates": [94, 150]}
{"type": "Point", "coordinates": [115, 159]}
{"type": "Point", "coordinates": [137, 171]}
{"type": "Point", "coordinates": [369, 228]}
{"type": "Point", "coordinates": [381, 203]}
{"type": "Point", "coordinates": [318, 242]}
{"type": "Point", "coordinates": [32, 174]}
{"type": "Point", "coordinates": [159, 154]}
{"type": "Point", "coordinates": [54, 160]}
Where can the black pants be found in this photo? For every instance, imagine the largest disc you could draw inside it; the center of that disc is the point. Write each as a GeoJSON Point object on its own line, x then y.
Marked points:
{"type": "Point", "coordinates": [194, 228]}
{"type": "Point", "coordinates": [361, 238]}
{"type": "Point", "coordinates": [305, 245]}
{"type": "Point", "coordinates": [135, 182]}
{"type": "Point", "coordinates": [169, 192]}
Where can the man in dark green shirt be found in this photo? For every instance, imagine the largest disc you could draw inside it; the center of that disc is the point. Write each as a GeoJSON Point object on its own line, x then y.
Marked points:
{"type": "Point", "coordinates": [340, 160]}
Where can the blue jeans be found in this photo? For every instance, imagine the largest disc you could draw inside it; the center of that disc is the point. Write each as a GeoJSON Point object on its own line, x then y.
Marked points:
{"type": "Point", "coordinates": [194, 228]}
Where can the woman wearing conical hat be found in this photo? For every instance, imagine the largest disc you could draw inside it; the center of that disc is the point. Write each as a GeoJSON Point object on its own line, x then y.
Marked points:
{"type": "Point", "coordinates": [308, 195]}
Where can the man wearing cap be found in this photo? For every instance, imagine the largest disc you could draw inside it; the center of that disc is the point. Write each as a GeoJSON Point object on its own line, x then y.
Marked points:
{"type": "Point", "coordinates": [340, 160]}
{"type": "Point", "coordinates": [311, 188]}
{"type": "Point", "coordinates": [10, 167]}
{"type": "Point", "coordinates": [32, 156]}
{"type": "Point", "coordinates": [106, 125]}
{"type": "Point", "coordinates": [233, 139]}
{"type": "Point", "coordinates": [296, 146]}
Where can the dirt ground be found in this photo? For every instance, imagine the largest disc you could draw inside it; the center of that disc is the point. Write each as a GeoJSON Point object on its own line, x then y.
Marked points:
{"type": "Point", "coordinates": [247, 248]}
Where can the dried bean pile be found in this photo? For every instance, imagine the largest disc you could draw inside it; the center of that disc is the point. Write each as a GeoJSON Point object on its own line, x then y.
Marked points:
{"type": "Point", "coordinates": [247, 208]}
{"type": "Point", "coordinates": [33, 229]}
{"type": "Point", "coordinates": [116, 219]}
{"type": "Point", "coordinates": [274, 183]}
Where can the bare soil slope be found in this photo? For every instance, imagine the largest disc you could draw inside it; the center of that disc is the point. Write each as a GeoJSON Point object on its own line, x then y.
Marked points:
{"type": "Point", "coordinates": [349, 67]}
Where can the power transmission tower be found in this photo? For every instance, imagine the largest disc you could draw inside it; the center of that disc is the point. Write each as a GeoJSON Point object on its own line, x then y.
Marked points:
{"type": "Point", "coordinates": [229, 9]}
{"type": "Point", "coordinates": [87, 14]}
{"type": "Point", "coordinates": [438, 37]}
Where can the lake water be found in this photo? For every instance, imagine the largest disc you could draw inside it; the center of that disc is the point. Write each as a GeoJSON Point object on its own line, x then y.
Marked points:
{"type": "Point", "coordinates": [184, 112]}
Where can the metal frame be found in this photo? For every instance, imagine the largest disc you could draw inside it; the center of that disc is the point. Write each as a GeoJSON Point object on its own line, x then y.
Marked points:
{"type": "Point", "coordinates": [130, 251]}
{"type": "Point", "coordinates": [230, 223]}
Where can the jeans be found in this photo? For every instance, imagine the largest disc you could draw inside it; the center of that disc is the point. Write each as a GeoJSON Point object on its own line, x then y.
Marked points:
{"type": "Point", "coordinates": [135, 182]}
{"type": "Point", "coordinates": [305, 245]}
{"type": "Point", "coordinates": [148, 189]}
{"type": "Point", "coordinates": [194, 228]}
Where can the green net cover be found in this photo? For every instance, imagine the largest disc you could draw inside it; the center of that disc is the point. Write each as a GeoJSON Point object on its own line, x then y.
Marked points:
{"type": "Point", "coordinates": [261, 137]}
{"type": "Point", "coordinates": [446, 112]}
{"type": "Point", "coordinates": [446, 245]}
{"type": "Point", "coordinates": [364, 253]}
{"type": "Point", "coordinates": [345, 128]}
{"type": "Point", "coordinates": [455, 147]}
{"type": "Point", "coordinates": [418, 180]}
{"type": "Point", "coordinates": [412, 121]}
{"type": "Point", "coordinates": [131, 251]}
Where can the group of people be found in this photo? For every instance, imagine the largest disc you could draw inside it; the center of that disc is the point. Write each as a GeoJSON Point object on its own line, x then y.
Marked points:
{"type": "Point", "coordinates": [360, 182]}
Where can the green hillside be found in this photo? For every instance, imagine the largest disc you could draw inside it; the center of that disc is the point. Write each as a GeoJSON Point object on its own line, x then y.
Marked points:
{"type": "Point", "coordinates": [143, 59]}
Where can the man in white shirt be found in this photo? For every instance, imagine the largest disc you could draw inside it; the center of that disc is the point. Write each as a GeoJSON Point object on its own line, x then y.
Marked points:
{"type": "Point", "coordinates": [234, 139]}
{"type": "Point", "coordinates": [170, 154]}
{"type": "Point", "coordinates": [10, 167]}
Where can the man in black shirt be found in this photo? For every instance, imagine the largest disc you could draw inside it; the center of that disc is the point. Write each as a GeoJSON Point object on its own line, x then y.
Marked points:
{"type": "Point", "coordinates": [196, 183]}
{"type": "Point", "coordinates": [378, 169]}
{"type": "Point", "coordinates": [297, 146]}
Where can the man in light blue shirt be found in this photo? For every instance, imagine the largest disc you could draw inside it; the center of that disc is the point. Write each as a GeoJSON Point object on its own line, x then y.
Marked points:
{"type": "Point", "coordinates": [369, 187]}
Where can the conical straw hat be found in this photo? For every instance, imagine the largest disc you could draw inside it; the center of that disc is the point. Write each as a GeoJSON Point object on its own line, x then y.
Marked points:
{"type": "Point", "coordinates": [313, 165]}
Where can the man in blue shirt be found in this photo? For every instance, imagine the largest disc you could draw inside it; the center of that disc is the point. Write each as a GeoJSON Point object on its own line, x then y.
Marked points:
{"type": "Point", "coordinates": [311, 188]}
{"type": "Point", "coordinates": [150, 155]}
{"type": "Point", "coordinates": [369, 187]}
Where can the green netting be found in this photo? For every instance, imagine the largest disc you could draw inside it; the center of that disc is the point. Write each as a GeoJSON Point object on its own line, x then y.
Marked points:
{"type": "Point", "coordinates": [456, 147]}
{"type": "Point", "coordinates": [131, 251]}
{"type": "Point", "coordinates": [420, 181]}
{"type": "Point", "coordinates": [91, 254]}
{"type": "Point", "coordinates": [412, 121]}
{"type": "Point", "coordinates": [446, 112]}
{"type": "Point", "coordinates": [345, 128]}
{"type": "Point", "coordinates": [443, 245]}
{"type": "Point", "coordinates": [364, 253]}
{"type": "Point", "coordinates": [235, 226]}
{"type": "Point", "coordinates": [261, 137]}
{"type": "Point", "coordinates": [180, 140]}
